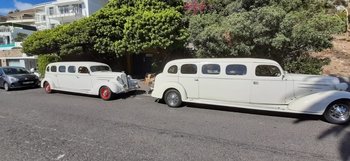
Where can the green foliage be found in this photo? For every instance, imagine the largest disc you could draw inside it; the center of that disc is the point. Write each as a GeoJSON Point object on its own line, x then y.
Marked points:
{"type": "Point", "coordinates": [43, 42]}
{"type": "Point", "coordinates": [20, 37]}
{"type": "Point", "coordinates": [306, 64]}
{"type": "Point", "coordinates": [283, 30]}
{"type": "Point", "coordinates": [121, 27]}
{"type": "Point", "coordinates": [44, 60]}
{"type": "Point", "coordinates": [135, 26]}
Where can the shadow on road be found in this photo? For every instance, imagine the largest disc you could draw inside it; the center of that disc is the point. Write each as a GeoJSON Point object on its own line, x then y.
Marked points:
{"type": "Point", "coordinates": [115, 96]}
{"type": "Point", "coordinates": [299, 117]}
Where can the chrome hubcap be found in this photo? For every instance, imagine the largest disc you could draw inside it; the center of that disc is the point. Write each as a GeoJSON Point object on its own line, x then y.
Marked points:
{"type": "Point", "coordinates": [339, 112]}
{"type": "Point", "coordinates": [105, 93]}
{"type": "Point", "coordinates": [173, 99]}
{"type": "Point", "coordinates": [6, 86]}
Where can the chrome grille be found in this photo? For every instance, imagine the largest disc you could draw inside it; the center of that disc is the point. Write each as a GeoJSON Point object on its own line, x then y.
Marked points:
{"type": "Point", "coordinates": [125, 80]}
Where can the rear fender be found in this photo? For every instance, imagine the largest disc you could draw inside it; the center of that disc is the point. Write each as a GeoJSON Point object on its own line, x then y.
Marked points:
{"type": "Point", "coordinates": [159, 91]}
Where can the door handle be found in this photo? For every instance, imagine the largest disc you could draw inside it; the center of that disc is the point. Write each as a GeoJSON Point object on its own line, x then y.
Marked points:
{"type": "Point", "coordinates": [255, 83]}
{"type": "Point", "coordinates": [195, 79]}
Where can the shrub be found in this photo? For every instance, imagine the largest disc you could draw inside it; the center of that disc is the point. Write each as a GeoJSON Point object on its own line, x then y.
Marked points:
{"type": "Point", "coordinates": [44, 60]}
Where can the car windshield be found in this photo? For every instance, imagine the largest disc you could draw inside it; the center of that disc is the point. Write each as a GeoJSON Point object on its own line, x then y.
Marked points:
{"type": "Point", "coordinates": [16, 70]}
{"type": "Point", "coordinates": [100, 68]}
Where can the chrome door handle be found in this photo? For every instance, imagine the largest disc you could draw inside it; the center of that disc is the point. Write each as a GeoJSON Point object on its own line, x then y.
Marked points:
{"type": "Point", "coordinates": [195, 79]}
{"type": "Point", "coordinates": [255, 83]}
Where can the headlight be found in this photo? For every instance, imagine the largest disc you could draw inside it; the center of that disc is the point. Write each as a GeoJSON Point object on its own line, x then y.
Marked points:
{"type": "Point", "coordinates": [13, 79]}
{"type": "Point", "coordinates": [341, 86]}
{"type": "Point", "coordinates": [119, 79]}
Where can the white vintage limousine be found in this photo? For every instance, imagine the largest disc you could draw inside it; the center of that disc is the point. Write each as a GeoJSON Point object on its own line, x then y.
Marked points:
{"type": "Point", "coordinates": [88, 78]}
{"type": "Point", "coordinates": [252, 83]}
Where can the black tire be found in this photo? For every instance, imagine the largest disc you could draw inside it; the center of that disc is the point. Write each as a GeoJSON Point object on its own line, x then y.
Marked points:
{"type": "Point", "coordinates": [338, 113]}
{"type": "Point", "coordinates": [47, 88]}
{"type": "Point", "coordinates": [172, 98]}
{"type": "Point", "coordinates": [7, 87]}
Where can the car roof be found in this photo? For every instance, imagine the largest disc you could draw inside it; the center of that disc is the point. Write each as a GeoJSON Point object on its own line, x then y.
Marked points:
{"type": "Point", "coordinates": [83, 63]}
{"type": "Point", "coordinates": [223, 60]}
{"type": "Point", "coordinates": [10, 67]}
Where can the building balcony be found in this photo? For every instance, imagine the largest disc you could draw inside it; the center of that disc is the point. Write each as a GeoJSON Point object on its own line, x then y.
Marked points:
{"type": "Point", "coordinates": [7, 46]}
{"type": "Point", "coordinates": [24, 20]}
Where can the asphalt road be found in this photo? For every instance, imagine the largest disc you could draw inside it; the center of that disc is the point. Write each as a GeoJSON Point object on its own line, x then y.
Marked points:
{"type": "Point", "coordinates": [63, 126]}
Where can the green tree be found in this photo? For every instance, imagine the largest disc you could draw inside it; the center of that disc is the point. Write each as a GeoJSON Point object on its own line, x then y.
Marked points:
{"type": "Point", "coordinates": [44, 60]}
{"type": "Point", "coordinates": [121, 27]}
{"type": "Point", "coordinates": [283, 30]}
{"type": "Point", "coordinates": [20, 37]}
{"type": "Point", "coordinates": [138, 25]}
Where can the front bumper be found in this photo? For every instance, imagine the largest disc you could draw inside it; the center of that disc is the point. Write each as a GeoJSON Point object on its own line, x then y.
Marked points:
{"type": "Point", "coordinates": [23, 84]}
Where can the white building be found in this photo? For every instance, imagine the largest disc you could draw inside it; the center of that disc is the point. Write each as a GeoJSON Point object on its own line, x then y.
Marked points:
{"type": "Point", "coordinates": [10, 49]}
{"type": "Point", "coordinates": [49, 15]}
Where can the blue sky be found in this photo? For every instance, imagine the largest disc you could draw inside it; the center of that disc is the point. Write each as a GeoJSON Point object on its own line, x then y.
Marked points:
{"type": "Point", "coordinates": [9, 5]}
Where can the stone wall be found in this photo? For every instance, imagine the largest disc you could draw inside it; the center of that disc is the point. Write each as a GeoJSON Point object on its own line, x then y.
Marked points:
{"type": "Point", "coordinates": [11, 53]}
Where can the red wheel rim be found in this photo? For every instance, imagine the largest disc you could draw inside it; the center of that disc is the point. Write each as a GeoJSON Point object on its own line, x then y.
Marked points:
{"type": "Point", "coordinates": [105, 93]}
{"type": "Point", "coordinates": [47, 87]}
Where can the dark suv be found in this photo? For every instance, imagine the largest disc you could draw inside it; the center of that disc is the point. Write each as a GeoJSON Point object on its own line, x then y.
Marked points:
{"type": "Point", "coordinates": [17, 77]}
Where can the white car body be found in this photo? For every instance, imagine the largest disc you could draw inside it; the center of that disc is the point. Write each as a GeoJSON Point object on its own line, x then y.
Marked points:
{"type": "Point", "coordinates": [87, 83]}
{"type": "Point", "coordinates": [294, 93]}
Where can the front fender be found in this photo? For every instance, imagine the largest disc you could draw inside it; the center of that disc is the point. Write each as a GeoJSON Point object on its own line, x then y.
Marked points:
{"type": "Point", "coordinates": [115, 87]}
{"type": "Point", "coordinates": [318, 102]}
{"type": "Point", "coordinates": [158, 91]}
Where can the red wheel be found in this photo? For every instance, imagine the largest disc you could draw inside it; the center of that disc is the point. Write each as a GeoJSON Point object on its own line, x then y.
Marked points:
{"type": "Point", "coordinates": [47, 87]}
{"type": "Point", "coordinates": [105, 93]}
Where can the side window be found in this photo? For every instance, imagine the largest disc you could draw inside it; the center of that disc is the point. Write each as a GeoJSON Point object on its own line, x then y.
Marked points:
{"type": "Point", "coordinates": [236, 69]}
{"type": "Point", "coordinates": [62, 69]}
{"type": "Point", "coordinates": [189, 69]}
{"type": "Point", "coordinates": [71, 69]}
{"type": "Point", "coordinates": [83, 70]}
{"type": "Point", "coordinates": [211, 69]}
{"type": "Point", "coordinates": [267, 71]}
{"type": "Point", "coordinates": [47, 68]}
{"type": "Point", "coordinates": [1, 73]}
{"type": "Point", "coordinates": [172, 69]}
{"type": "Point", "coordinates": [53, 68]}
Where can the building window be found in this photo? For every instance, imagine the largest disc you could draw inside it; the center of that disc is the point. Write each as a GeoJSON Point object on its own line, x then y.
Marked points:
{"type": "Point", "coordinates": [236, 69]}
{"type": "Point", "coordinates": [63, 9]}
{"type": "Point", "coordinates": [211, 69]}
{"type": "Point", "coordinates": [77, 8]}
{"type": "Point", "coordinates": [51, 11]}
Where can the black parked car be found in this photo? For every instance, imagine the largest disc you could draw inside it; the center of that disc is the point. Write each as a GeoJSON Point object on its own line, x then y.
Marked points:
{"type": "Point", "coordinates": [17, 77]}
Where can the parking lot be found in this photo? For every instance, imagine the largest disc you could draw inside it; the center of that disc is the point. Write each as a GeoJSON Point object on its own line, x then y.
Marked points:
{"type": "Point", "coordinates": [64, 126]}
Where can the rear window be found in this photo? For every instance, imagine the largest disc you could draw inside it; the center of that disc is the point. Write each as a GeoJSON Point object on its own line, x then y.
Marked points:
{"type": "Point", "coordinates": [62, 69]}
{"type": "Point", "coordinates": [236, 69]}
{"type": "Point", "coordinates": [189, 69]}
{"type": "Point", "coordinates": [211, 69]}
{"type": "Point", "coordinates": [71, 69]}
{"type": "Point", "coordinates": [53, 68]}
